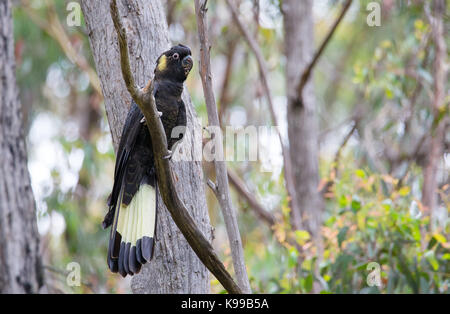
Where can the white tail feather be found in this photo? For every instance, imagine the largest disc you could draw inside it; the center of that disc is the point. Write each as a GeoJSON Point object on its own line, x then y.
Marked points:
{"type": "Point", "coordinates": [138, 218]}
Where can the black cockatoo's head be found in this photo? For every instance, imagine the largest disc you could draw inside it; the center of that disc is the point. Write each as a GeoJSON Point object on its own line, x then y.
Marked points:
{"type": "Point", "coordinates": [174, 64]}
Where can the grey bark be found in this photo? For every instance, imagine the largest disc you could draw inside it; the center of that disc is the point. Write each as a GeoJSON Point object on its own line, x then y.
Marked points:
{"type": "Point", "coordinates": [20, 263]}
{"type": "Point", "coordinates": [175, 268]}
{"type": "Point", "coordinates": [302, 117]}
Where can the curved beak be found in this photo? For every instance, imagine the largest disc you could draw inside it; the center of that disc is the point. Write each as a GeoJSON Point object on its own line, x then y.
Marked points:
{"type": "Point", "coordinates": [187, 64]}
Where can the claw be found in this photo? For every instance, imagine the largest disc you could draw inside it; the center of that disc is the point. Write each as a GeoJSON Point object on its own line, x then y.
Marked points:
{"type": "Point", "coordinates": [169, 155]}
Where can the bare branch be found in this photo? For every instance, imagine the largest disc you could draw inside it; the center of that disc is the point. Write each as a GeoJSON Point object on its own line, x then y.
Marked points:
{"type": "Point", "coordinates": [223, 191]}
{"type": "Point", "coordinates": [177, 209]}
{"type": "Point", "coordinates": [308, 70]}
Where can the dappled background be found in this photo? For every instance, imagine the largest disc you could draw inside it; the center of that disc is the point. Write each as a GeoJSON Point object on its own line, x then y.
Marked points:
{"type": "Point", "coordinates": [374, 92]}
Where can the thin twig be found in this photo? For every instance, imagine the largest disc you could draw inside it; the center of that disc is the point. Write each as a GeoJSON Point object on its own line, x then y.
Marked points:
{"type": "Point", "coordinates": [337, 156]}
{"type": "Point", "coordinates": [224, 99]}
{"type": "Point", "coordinates": [308, 70]}
{"type": "Point", "coordinates": [223, 192]}
{"type": "Point", "coordinates": [240, 187]}
{"type": "Point", "coordinates": [54, 28]}
{"type": "Point", "coordinates": [176, 207]}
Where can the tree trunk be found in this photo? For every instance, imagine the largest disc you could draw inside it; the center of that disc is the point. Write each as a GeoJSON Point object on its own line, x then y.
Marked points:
{"type": "Point", "coordinates": [430, 181]}
{"type": "Point", "coordinates": [175, 268]}
{"type": "Point", "coordinates": [20, 263]}
{"type": "Point", "coordinates": [302, 118]}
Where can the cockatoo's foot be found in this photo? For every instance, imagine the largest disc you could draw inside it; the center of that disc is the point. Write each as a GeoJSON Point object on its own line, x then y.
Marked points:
{"type": "Point", "coordinates": [169, 154]}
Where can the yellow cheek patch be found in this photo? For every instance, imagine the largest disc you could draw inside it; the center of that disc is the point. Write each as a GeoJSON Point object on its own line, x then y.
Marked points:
{"type": "Point", "coordinates": [162, 64]}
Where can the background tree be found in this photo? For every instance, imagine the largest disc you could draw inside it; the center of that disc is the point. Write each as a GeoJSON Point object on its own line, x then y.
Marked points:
{"type": "Point", "coordinates": [302, 114]}
{"type": "Point", "coordinates": [21, 269]}
{"type": "Point", "coordinates": [438, 108]}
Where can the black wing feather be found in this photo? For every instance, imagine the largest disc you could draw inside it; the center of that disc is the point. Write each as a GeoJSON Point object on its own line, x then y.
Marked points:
{"type": "Point", "coordinates": [131, 130]}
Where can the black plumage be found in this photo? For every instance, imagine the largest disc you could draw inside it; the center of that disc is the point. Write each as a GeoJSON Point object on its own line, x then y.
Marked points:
{"type": "Point", "coordinates": [135, 170]}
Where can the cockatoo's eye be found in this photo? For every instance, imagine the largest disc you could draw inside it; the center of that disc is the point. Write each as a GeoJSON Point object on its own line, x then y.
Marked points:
{"type": "Point", "coordinates": [176, 56]}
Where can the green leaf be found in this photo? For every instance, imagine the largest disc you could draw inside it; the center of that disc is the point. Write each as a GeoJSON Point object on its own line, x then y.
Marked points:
{"type": "Point", "coordinates": [301, 236]}
{"type": "Point", "coordinates": [440, 238]}
{"type": "Point", "coordinates": [293, 257]}
{"type": "Point", "coordinates": [432, 242]}
{"type": "Point", "coordinates": [343, 202]}
{"type": "Point", "coordinates": [309, 283]}
{"type": "Point", "coordinates": [404, 191]}
{"type": "Point", "coordinates": [356, 204]}
{"type": "Point", "coordinates": [372, 223]}
{"type": "Point", "coordinates": [341, 235]}
{"type": "Point", "coordinates": [431, 258]}
{"type": "Point", "coordinates": [389, 93]}
{"type": "Point", "coordinates": [360, 173]}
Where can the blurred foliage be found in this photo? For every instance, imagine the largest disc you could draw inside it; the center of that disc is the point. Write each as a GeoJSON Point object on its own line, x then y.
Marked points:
{"type": "Point", "coordinates": [380, 78]}
{"type": "Point", "coordinates": [372, 219]}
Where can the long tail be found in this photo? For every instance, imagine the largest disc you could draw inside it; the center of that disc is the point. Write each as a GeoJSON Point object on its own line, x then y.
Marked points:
{"type": "Point", "coordinates": [133, 231]}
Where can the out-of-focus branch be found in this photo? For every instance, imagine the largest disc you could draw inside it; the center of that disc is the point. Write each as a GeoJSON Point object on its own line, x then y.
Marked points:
{"type": "Point", "coordinates": [243, 191]}
{"type": "Point", "coordinates": [254, 46]}
{"type": "Point", "coordinates": [224, 99]}
{"type": "Point", "coordinates": [54, 28]}
{"type": "Point", "coordinates": [337, 157]}
{"type": "Point", "coordinates": [240, 187]}
{"type": "Point", "coordinates": [146, 102]}
{"type": "Point", "coordinates": [332, 129]}
{"type": "Point", "coordinates": [222, 187]}
{"type": "Point", "coordinates": [308, 70]}
{"type": "Point", "coordinates": [171, 6]}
